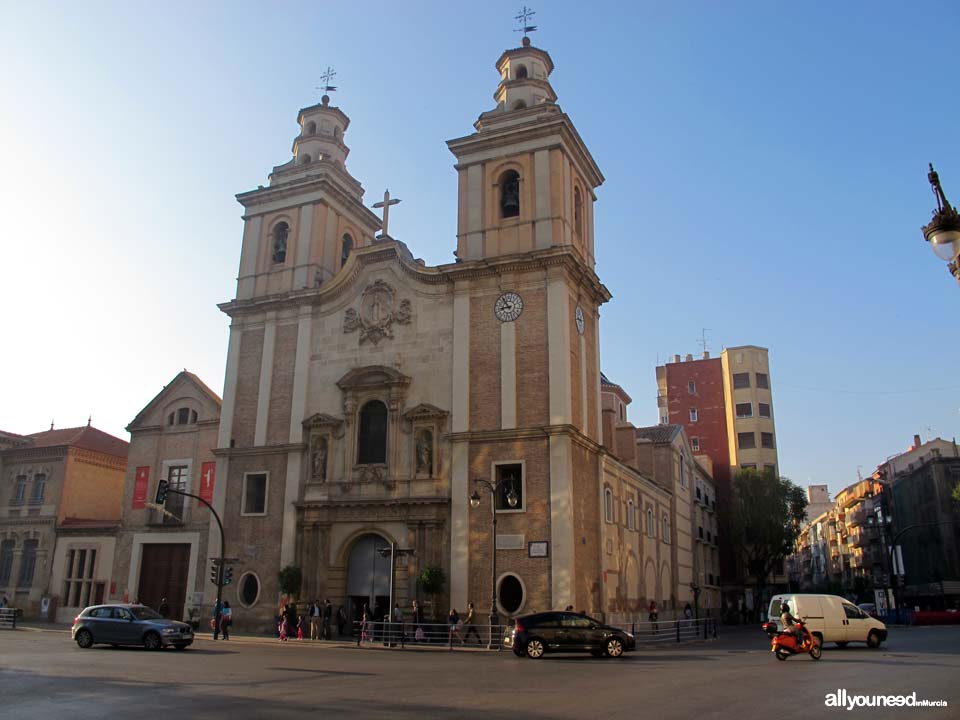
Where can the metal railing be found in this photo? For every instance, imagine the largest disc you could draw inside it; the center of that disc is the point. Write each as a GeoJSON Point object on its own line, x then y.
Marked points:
{"type": "Point", "coordinates": [671, 631]}
{"type": "Point", "coordinates": [8, 618]}
{"type": "Point", "coordinates": [403, 634]}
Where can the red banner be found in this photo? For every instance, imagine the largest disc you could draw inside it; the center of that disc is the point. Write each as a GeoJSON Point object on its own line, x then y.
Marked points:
{"type": "Point", "coordinates": [142, 480]}
{"type": "Point", "coordinates": [207, 473]}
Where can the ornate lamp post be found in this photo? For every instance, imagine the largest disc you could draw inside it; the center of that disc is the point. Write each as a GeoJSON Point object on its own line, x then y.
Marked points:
{"type": "Point", "coordinates": [943, 231]}
{"type": "Point", "coordinates": [512, 500]}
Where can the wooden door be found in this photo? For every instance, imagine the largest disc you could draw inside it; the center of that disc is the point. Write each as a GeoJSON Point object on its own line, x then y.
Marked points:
{"type": "Point", "coordinates": [163, 576]}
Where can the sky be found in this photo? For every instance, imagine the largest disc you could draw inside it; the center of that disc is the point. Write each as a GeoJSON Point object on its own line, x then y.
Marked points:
{"type": "Point", "coordinates": [765, 179]}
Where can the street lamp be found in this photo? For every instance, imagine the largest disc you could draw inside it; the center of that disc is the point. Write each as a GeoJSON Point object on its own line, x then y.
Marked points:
{"type": "Point", "coordinates": [943, 231]}
{"type": "Point", "coordinates": [512, 500]}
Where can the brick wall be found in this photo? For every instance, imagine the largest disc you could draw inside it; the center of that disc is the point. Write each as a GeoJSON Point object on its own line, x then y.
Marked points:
{"type": "Point", "coordinates": [248, 385]}
{"type": "Point", "coordinates": [281, 388]}
{"type": "Point", "coordinates": [485, 364]}
{"type": "Point", "coordinates": [533, 365]}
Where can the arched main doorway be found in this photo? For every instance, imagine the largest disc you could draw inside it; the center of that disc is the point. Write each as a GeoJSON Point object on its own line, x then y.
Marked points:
{"type": "Point", "coordinates": [368, 578]}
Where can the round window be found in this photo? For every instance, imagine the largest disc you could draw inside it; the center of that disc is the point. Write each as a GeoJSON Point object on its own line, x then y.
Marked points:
{"type": "Point", "coordinates": [249, 589]}
{"type": "Point", "coordinates": [511, 593]}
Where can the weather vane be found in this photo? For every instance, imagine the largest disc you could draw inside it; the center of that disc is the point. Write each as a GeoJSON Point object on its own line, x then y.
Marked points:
{"type": "Point", "coordinates": [327, 77]}
{"type": "Point", "coordinates": [524, 18]}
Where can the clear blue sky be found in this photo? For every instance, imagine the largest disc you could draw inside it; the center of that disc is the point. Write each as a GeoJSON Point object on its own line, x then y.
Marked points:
{"type": "Point", "coordinates": [765, 173]}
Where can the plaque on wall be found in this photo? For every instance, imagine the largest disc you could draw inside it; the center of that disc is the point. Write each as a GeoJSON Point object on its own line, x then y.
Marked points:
{"type": "Point", "coordinates": [539, 549]}
{"type": "Point", "coordinates": [510, 542]}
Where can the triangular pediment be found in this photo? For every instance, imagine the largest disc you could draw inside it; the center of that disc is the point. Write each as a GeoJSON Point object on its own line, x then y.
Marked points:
{"type": "Point", "coordinates": [372, 376]}
{"type": "Point", "coordinates": [322, 420]}
{"type": "Point", "coordinates": [425, 411]}
{"type": "Point", "coordinates": [184, 385]}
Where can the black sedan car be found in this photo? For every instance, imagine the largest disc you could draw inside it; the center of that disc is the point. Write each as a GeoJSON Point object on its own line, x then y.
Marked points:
{"type": "Point", "coordinates": [129, 625]}
{"type": "Point", "coordinates": [534, 635]}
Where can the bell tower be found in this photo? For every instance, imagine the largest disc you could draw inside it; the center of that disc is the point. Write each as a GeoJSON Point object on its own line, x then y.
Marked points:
{"type": "Point", "coordinates": [526, 179]}
{"type": "Point", "coordinates": [300, 230]}
{"type": "Point", "coordinates": [526, 354]}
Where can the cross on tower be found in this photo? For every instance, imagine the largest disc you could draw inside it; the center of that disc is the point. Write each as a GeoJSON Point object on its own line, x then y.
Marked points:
{"type": "Point", "coordinates": [327, 77]}
{"type": "Point", "coordinates": [387, 202]}
{"type": "Point", "coordinates": [523, 17]}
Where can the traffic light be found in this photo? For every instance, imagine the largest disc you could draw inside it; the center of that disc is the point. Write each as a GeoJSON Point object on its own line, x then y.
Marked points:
{"type": "Point", "coordinates": [162, 492]}
{"type": "Point", "coordinates": [228, 575]}
{"type": "Point", "coordinates": [215, 572]}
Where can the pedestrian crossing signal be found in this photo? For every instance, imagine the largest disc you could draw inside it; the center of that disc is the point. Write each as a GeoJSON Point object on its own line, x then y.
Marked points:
{"type": "Point", "coordinates": [162, 492]}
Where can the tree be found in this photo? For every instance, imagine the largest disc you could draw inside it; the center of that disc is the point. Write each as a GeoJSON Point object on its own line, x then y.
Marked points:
{"type": "Point", "coordinates": [432, 581]}
{"type": "Point", "coordinates": [290, 579]}
{"type": "Point", "coordinates": [766, 514]}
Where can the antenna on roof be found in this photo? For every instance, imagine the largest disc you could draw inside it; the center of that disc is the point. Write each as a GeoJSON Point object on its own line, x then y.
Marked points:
{"type": "Point", "coordinates": [702, 342]}
{"type": "Point", "coordinates": [51, 424]}
{"type": "Point", "coordinates": [89, 420]}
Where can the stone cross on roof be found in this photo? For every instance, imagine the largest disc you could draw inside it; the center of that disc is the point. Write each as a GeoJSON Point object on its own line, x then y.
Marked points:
{"type": "Point", "coordinates": [387, 202]}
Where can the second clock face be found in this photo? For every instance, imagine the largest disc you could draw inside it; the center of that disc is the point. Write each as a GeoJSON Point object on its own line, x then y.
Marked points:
{"type": "Point", "coordinates": [508, 307]}
{"type": "Point", "coordinates": [579, 319]}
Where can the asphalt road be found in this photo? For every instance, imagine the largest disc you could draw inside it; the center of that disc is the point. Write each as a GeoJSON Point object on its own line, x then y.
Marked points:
{"type": "Point", "coordinates": [44, 675]}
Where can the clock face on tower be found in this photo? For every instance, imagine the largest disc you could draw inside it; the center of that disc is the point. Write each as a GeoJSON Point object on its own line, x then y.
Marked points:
{"type": "Point", "coordinates": [579, 319]}
{"type": "Point", "coordinates": [508, 307]}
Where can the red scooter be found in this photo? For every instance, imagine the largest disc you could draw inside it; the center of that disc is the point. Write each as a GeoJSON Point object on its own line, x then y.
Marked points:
{"type": "Point", "coordinates": [784, 643]}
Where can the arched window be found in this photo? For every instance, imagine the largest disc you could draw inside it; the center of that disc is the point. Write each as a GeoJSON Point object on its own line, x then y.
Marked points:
{"type": "Point", "coordinates": [311, 128]}
{"type": "Point", "coordinates": [306, 158]}
{"type": "Point", "coordinates": [665, 536]}
{"type": "Point", "coordinates": [608, 505]}
{"type": "Point", "coordinates": [578, 211]}
{"type": "Point", "coordinates": [650, 528]}
{"type": "Point", "coordinates": [280, 233]}
{"type": "Point", "coordinates": [631, 515]}
{"type": "Point", "coordinates": [521, 72]}
{"type": "Point", "coordinates": [510, 194]}
{"type": "Point", "coordinates": [519, 105]}
{"type": "Point", "coordinates": [39, 485]}
{"type": "Point", "coordinates": [346, 247]}
{"type": "Point", "coordinates": [372, 440]}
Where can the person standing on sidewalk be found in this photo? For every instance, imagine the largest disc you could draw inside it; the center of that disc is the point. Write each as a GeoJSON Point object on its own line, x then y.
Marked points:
{"type": "Point", "coordinates": [226, 619]}
{"type": "Point", "coordinates": [315, 615]}
{"type": "Point", "coordinates": [341, 620]}
{"type": "Point", "coordinates": [327, 618]}
{"type": "Point", "coordinates": [469, 625]}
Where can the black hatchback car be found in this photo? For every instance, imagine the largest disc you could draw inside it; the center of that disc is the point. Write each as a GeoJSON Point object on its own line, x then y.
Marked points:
{"type": "Point", "coordinates": [534, 635]}
{"type": "Point", "coordinates": [129, 625]}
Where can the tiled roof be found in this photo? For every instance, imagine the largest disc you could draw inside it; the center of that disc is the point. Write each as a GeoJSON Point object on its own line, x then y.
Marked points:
{"type": "Point", "coordinates": [659, 433]}
{"type": "Point", "coordinates": [86, 437]}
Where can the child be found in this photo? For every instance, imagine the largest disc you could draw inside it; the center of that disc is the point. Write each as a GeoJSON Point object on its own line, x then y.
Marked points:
{"type": "Point", "coordinates": [301, 626]}
{"type": "Point", "coordinates": [282, 631]}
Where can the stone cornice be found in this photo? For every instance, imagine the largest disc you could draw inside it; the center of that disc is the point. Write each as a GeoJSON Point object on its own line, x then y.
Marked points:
{"type": "Point", "coordinates": [26, 454]}
{"type": "Point", "coordinates": [373, 502]}
{"type": "Point", "coordinates": [260, 450]}
{"type": "Point", "coordinates": [492, 137]}
{"type": "Point", "coordinates": [532, 433]}
{"type": "Point", "coordinates": [28, 520]}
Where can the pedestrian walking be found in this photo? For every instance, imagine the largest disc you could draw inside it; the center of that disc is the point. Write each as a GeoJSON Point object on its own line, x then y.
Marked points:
{"type": "Point", "coordinates": [469, 625]}
{"type": "Point", "coordinates": [455, 624]}
{"type": "Point", "coordinates": [302, 628]}
{"type": "Point", "coordinates": [653, 615]}
{"type": "Point", "coordinates": [226, 619]}
{"type": "Point", "coordinates": [341, 620]}
{"type": "Point", "coordinates": [290, 621]}
{"type": "Point", "coordinates": [364, 627]}
{"type": "Point", "coordinates": [164, 608]}
{"type": "Point", "coordinates": [316, 612]}
{"type": "Point", "coordinates": [397, 624]}
{"type": "Point", "coordinates": [418, 633]}
{"type": "Point", "coordinates": [215, 621]}
{"type": "Point", "coordinates": [327, 617]}
{"type": "Point", "coordinates": [3, 601]}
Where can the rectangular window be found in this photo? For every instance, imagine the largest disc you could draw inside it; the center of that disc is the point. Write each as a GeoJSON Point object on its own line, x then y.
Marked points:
{"type": "Point", "coordinates": [179, 478]}
{"type": "Point", "coordinates": [6, 562]}
{"type": "Point", "coordinates": [20, 492]}
{"type": "Point", "coordinates": [663, 420]}
{"type": "Point", "coordinates": [766, 439]}
{"type": "Point", "coordinates": [744, 410]}
{"type": "Point", "coordinates": [183, 416]}
{"type": "Point", "coordinates": [693, 414]}
{"type": "Point", "coordinates": [254, 494]}
{"type": "Point", "coordinates": [771, 468]}
{"type": "Point", "coordinates": [763, 381]}
{"type": "Point", "coordinates": [748, 466]}
{"type": "Point", "coordinates": [39, 486]}
{"type": "Point", "coordinates": [695, 444]}
{"type": "Point", "coordinates": [509, 479]}
{"type": "Point", "coordinates": [691, 387]}
{"type": "Point", "coordinates": [746, 440]}
{"type": "Point", "coordinates": [28, 563]}
{"type": "Point", "coordinates": [741, 380]}
{"type": "Point", "coordinates": [763, 409]}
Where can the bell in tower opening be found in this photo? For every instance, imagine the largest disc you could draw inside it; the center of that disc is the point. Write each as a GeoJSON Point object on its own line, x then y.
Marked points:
{"type": "Point", "coordinates": [510, 194]}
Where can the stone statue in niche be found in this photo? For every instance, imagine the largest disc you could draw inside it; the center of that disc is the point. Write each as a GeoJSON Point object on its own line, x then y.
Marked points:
{"type": "Point", "coordinates": [318, 459]}
{"type": "Point", "coordinates": [424, 449]}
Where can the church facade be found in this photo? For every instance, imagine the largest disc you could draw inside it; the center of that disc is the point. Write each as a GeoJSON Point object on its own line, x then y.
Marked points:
{"type": "Point", "coordinates": [367, 396]}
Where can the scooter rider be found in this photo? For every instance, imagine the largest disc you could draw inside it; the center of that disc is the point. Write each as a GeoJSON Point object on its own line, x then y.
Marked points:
{"type": "Point", "coordinates": [789, 623]}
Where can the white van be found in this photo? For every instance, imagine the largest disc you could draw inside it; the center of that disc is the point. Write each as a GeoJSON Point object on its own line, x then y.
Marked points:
{"type": "Point", "coordinates": [831, 618]}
